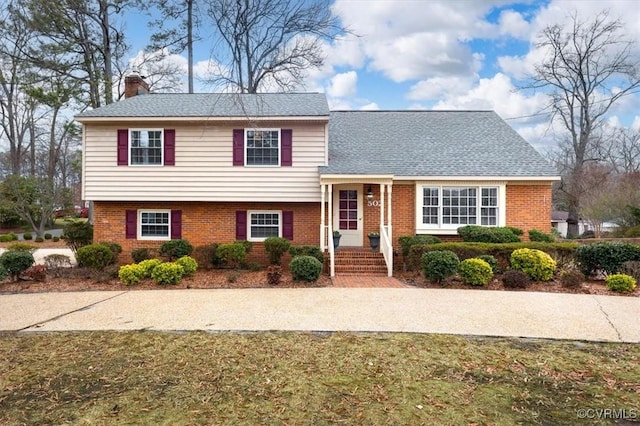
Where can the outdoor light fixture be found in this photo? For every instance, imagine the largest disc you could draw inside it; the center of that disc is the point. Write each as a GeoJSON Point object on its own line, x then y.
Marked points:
{"type": "Point", "coordinates": [369, 193]}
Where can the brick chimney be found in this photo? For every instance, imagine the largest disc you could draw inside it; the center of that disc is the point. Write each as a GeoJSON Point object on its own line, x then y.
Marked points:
{"type": "Point", "coordinates": [134, 84]}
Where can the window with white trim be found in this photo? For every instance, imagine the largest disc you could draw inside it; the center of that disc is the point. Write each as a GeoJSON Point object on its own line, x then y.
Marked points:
{"type": "Point", "coordinates": [448, 207]}
{"type": "Point", "coordinates": [262, 147]}
{"type": "Point", "coordinates": [264, 224]}
{"type": "Point", "coordinates": [154, 224]}
{"type": "Point", "coordinates": [145, 147]}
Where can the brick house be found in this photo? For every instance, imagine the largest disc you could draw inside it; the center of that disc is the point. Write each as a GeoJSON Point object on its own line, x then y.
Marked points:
{"type": "Point", "coordinates": [224, 167]}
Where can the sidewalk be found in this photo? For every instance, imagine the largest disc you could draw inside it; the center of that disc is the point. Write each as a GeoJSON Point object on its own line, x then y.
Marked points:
{"type": "Point", "coordinates": [466, 312]}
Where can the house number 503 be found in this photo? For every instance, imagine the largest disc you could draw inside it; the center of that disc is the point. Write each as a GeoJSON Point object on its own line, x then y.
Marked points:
{"type": "Point", "coordinates": [373, 203]}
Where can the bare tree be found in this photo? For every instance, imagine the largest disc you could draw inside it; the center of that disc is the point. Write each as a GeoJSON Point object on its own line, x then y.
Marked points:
{"type": "Point", "coordinates": [266, 43]}
{"type": "Point", "coordinates": [623, 152]}
{"type": "Point", "coordinates": [588, 68]}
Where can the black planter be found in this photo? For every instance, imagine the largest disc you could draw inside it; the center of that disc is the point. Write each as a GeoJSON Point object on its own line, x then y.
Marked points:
{"type": "Point", "coordinates": [336, 241]}
{"type": "Point", "coordinates": [374, 241]}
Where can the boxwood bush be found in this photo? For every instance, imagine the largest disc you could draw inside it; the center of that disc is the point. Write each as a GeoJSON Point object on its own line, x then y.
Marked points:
{"type": "Point", "coordinates": [305, 268]}
{"type": "Point", "coordinates": [231, 254]}
{"type": "Point", "coordinates": [16, 262]}
{"type": "Point", "coordinates": [620, 282]}
{"type": "Point", "coordinates": [77, 234]}
{"type": "Point", "coordinates": [535, 235]}
{"type": "Point", "coordinates": [143, 253]}
{"type": "Point", "coordinates": [307, 251]}
{"type": "Point", "coordinates": [147, 266]}
{"type": "Point", "coordinates": [606, 257]}
{"type": "Point", "coordinates": [3, 273]}
{"type": "Point", "coordinates": [175, 249]}
{"type": "Point", "coordinates": [5, 238]}
{"type": "Point", "coordinates": [538, 265]}
{"type": "Point", "coordinates": [482, 234]}
{"type": "Point", "coordinates": [492, 261]}
{"type": "Point", "coordinates": [95, 256]}
{"type": "Point", "coordinates": [439, 264]}
{"type": "Point", "coordinates": [167, 273]}
{"type": "Point", "coordinates": [408, 241]}
{"type": "Point", "coordinates": [515, 279]}
{"type": "Point", "coordinates": [475, 272]}
{"type": "Point", "coordinates": [206, 256]}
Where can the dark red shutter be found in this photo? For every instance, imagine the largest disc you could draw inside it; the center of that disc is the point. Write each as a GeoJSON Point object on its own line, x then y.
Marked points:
{"type": "Point", "coordinates": [241, 225]}
{"type": "Point", "coordinates": [176, 224]}
{"type": "Point", "coordinates": [131, 224]}
{"type": "Point", "coordinates": [287, 225]}
{"type": "Point", "coordinates": [238, 147]}
{"type": "Point", "coordinates": [286, 147]}
{"type": "Point", "coordinates": [123, 147]}
{"type": "Point", "coordinates": [169, 147]}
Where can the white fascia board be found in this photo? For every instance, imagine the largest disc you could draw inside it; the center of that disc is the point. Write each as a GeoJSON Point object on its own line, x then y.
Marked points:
{"type": "Point", "coordinates": [337, 179]}
{"type": "Point", "coordinates": [479, 178]}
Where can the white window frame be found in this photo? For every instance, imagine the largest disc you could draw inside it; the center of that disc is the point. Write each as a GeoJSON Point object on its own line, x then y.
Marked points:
{"type": "Point", "coordinates": [440, 228]}
{"type": "Point", "coordinates": [246, 147]}
{"type": "Point", "coordinates": [130, 147]}
{"type": "Point", "coordinates": [155, 237]}
{"type": "Point", "coordinates": [252, 212]}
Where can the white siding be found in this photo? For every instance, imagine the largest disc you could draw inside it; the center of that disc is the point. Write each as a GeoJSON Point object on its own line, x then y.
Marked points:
{"type": "Point", "coordinates": [203, 168]}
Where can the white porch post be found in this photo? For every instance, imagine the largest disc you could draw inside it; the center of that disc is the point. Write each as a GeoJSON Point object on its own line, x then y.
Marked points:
{"type": "Point", "coordinates": [323, 239]}
{"type": "Point", "coordinates": [381, 207]}
{"type": "Point", "coordinates": [389, 208]}
{"type": "Point", "coordinates": [332, 267]}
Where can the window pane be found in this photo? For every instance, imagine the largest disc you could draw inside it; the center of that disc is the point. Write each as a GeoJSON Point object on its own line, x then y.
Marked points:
{"type": "Point", "coordinates": [264, 225]}
{"type": "Point", "coordinates": [262, 147]}
{"type": "Point", "coordinates": [462, 202]}
{"type": "Point", "coordinates": [154, 224]}
{"type": "Point", "coordinates": [430, 202]}
{"type": "Point", "coordinates": [146, 147]}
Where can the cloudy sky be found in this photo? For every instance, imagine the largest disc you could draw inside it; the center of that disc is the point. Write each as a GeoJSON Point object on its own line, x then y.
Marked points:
{"type": "Point", "coordinates": [450, 54]}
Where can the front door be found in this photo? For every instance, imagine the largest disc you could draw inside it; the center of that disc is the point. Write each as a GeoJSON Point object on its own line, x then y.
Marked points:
{"type": "Point", "coordinates": [347, 217]}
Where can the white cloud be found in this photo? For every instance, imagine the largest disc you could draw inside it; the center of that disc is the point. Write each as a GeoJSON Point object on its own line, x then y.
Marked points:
{"type": "Point", "coordinates": [440, 87]}
{"type": "Point", "coordinates": [343, 85]}
{"type": "Point", "coordinates": [513, 24]}
{"type": "Point", "coordinates": [636, 123]}
{"type": "Point", "coordinates": [370, 107]}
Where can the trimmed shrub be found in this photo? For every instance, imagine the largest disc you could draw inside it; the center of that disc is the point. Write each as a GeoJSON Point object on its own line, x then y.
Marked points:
{"type": "Point", "coordinates": [140, 254]}
{"type": "Point", "coordinates": [248, 245]}
{"type": "Point", "coordinates": [492, 261]}
{"type": "Point", "coordinates": [535, 263]}
{"type": "Point", "coordinates": [16, 262]}
{"type": "Point", "coordinates": [475, 272]}
{"type": "Point", "coordinates": [55, 239]}
{"type": "Point", "coordinates": [607, 257]}
{"type": "Point", "coordinates": [189, 265]}
{"type": "Point", "coordinates": [276, 247]}
{"type": "Point", "coordinates": [535, 235]}
{"type": "Point", "coordinates": [571, 278]}
{"type": "Point", "coordinates": [36, 273]}
{"type": "Point", "coordinates": [175, 249]}
{"type": "Point", "coordinates": [39, 240]}
{"type": "Point", "coordinates": [232, 254]}
{"type": "Point", "coordinates": [305, 268]}
{"type": "Point", "coordinates": [47, 236]}
{"type": "Point", "coordinates": [5, 238]}
{"type": "Point", "coordinates": [620, 282]}
{"type": "Point", "coordinates": [167, 273]}
{"type": "Point", "coordinates": [131, 274]}
{"type": "Point", "coordinates": [206, 256]}
{"type": "Point", "coordinates": [439, 264]}
{"type": "Point", "coordinates": [514, 230]}
{"type": "Point", "coordinates": [95, 256]}
{"type": "Point", "coordinates": [27, 236]}
{"type": "Point", "coordinates": [77, 234]}
{"type": "Point", "coordinates": [3, 273]}
{"type": "Point", "coordinates": [147, 266]}
{"type": "Point", "coordinates": [274, 274]}
{"type": "Point", "coordinates": [27, 248]}
{"type": "Point", "coordinates": [115, 248]}
{"type": "Point", "coordinates": [307, 251]}
{"type": "Point", "coordinates": [408, 241]}
{"type": "Point", "coordinates": [481, 234]}
{"type": "Point", "coordinates": [515, 279]}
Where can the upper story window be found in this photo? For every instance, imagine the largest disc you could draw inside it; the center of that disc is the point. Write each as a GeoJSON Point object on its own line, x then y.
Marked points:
{"type": "Point", "coordinates": [145, 147]}
{"type": "Point", "coordinates": [262, 147]}
{"type": "Point", "coordinates": [448, 207]}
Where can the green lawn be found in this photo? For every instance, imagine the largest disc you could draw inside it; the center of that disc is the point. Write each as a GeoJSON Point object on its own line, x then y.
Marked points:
{"type": "Point", "coordinates": [315, 379]}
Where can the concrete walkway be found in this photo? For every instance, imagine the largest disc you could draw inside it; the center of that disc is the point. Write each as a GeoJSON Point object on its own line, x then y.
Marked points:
{"type": "Point", "coordinates": [467, 312]}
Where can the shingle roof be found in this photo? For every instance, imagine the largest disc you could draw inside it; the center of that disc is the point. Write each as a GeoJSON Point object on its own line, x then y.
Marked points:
{"type": "Point", "coordinates": [429, 143]}
{"type": "Point", "coordinates": [215, 105]}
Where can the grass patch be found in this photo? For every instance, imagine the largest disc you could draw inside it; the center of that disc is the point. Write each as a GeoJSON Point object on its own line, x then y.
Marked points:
{"type": "Point", "coordinates": [298, 378]}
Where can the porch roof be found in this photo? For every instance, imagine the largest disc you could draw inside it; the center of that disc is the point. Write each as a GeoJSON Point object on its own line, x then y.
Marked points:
{"type": "Point", "coordinates": [430, 143]}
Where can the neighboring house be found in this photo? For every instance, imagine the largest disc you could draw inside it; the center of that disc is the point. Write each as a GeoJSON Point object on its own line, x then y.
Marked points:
{"type": "Point", "coordinates": [224, 167]}
{"type": "Point", "coordinates": [559, 222]}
